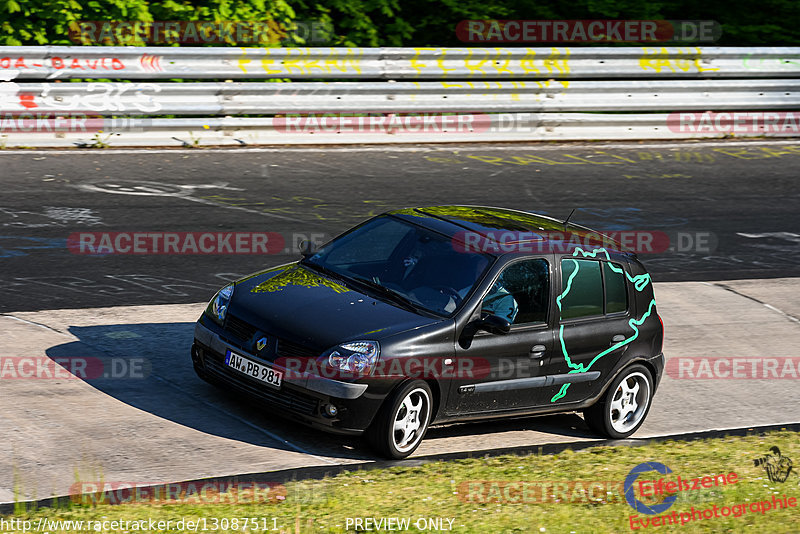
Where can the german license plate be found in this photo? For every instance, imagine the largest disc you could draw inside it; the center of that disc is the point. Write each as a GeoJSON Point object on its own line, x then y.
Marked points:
{"type": "Point", "coordinates": [256, 370]}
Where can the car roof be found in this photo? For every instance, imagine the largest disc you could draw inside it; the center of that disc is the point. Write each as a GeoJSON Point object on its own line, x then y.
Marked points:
{"type": "Point", "coordinates": [502, 230]}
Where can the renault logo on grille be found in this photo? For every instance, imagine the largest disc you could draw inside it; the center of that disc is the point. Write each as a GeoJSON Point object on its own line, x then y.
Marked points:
{"type": "Point", "coordinates": [261, 343]}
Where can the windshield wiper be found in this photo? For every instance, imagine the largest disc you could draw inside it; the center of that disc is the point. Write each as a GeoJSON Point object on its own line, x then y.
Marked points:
{"type": "Point", "coordinates": [384, 291]}
{"type": "Point", "coordinates": [325, 270]}
{"type": "Point", "coordinates": [391, 294]}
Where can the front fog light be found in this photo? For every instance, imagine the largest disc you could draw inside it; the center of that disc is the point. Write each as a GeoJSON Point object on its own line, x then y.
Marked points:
{"type": "Point", "coordinates": [331, 410]}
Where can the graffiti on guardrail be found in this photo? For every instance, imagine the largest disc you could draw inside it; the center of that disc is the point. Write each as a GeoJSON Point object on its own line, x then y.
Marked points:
{"type": "Point", "coordinates": [662, 60]}
{"type": "Point", "coordinates": [93, 97]}
{"type": "Point", "coordinates": [293, 61]}
{"type": "Point", "coordinates": [483, 62]}
{"type": "Point", "coordinates": [104, 63]}
{"type": "Point", "coordinates": [150, 63]}
{"type": "Point", "coordinates": [770, 63]}
{"type": "Point", "coordinates": [393, 63]}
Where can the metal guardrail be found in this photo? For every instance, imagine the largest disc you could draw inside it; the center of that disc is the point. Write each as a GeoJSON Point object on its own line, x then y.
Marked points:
{"type": "Point", "coordinates": [208, 99]}
{"type": "Point", "coordinates": [65, 62]}
{"type": "Point", "coordinates": [242, 131]}
{"type": "Point", "coordinates": [236, 131]}
{"type": "Point", "coordinates": [494, 94]}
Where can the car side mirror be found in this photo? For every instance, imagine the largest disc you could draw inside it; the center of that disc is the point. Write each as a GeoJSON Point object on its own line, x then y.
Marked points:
{"type": "Point", "coordinates": [307, 247]}
{"type": "Point", "coordinates": [494, 324]}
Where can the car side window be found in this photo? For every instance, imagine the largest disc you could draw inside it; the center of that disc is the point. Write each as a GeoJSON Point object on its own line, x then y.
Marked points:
{"type": "Point", "coordinates": [591, 288]}
{"type": "Point", "coordinates": [616, 290]}
{"type": "Point", "coordinates": [581, 288]}
{"type": "Point", "coordinates": [521, 293]}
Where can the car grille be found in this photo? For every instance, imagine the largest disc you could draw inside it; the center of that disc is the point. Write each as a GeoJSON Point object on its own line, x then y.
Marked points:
{"type": "Point", "coordinates": [283, 398]}
{"type": "Point", "coordinates": [240, 329]}
{"type": "Point", "coordinates": [287, 349]}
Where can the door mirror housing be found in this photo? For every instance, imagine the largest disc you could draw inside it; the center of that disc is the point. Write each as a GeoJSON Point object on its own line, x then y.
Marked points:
{"type": "Point", "coordinates": [307, 247]}
{"type": "Point", "coordinates": [494, 324]}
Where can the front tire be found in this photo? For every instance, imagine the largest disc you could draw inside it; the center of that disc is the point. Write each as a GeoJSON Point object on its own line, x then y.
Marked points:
{"type": "Point", "coordinates": [402, 421]}
{"type": "Point", "coordinates": [624, 407]}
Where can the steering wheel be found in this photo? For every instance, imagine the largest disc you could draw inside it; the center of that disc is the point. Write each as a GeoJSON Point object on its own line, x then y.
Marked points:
{"type": "Point", "coordinates": [449, 291]}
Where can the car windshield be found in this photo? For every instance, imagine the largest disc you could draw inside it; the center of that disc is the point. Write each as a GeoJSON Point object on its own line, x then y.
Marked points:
{"type": "Point", "coordinates": [405, 263]}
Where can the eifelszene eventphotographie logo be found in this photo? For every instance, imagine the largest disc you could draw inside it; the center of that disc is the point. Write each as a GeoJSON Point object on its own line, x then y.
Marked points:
{"type": "Point", "coordinates": [630, 482]}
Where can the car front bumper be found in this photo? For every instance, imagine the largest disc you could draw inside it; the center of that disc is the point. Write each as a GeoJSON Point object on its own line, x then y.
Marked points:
{"type": "Point", "coordinates": [302, 397]}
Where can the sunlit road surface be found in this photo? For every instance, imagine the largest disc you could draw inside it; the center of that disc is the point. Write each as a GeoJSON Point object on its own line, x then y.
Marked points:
{"type": "Point", "coordinates": [170, 426]}
{"type": "Point", "coordinates": [724, 288]}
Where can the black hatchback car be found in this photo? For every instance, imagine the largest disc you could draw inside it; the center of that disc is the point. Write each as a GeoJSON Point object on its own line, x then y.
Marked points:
{"type": "Point", "coordinates": [442, 314]}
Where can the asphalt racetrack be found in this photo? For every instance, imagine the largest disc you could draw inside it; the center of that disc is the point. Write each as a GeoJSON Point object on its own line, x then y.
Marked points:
{"type": "Point", "coordinates": [726, 276]}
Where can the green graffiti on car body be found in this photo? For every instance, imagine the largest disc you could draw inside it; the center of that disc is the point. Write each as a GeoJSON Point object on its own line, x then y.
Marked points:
{"type": "Point", "coordinates": [640, 282]}
{"type": "Point", "coordinates": [297, 276]}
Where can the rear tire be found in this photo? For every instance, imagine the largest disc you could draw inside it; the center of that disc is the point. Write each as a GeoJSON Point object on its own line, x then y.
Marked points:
{"type": "Point", "coordinates": [402, 421]}
{"type": "Point", "coordinates": [625, 405]}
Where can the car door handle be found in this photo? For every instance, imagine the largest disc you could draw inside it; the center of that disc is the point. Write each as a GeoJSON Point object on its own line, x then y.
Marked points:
{"type": "Point", "coordinates": [537, 351]}
{"type": "Point", "coordinates": [617, 339]}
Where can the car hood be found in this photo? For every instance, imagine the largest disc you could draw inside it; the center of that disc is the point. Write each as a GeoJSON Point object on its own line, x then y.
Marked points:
{"type": "Point", "coordinates": [306, 307]}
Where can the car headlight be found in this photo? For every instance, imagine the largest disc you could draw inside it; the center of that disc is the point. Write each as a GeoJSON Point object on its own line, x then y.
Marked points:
{"type": "Point", "coordinates": [355, 357]}
{"type": "Point", "coordinates": [218, 307]}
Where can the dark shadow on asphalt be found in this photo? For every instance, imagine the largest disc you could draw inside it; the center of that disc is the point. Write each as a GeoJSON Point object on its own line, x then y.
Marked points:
{"type": "Point", "coordinates": [148, 367]}
{"type": "Point", "coordinates": [567, 424]}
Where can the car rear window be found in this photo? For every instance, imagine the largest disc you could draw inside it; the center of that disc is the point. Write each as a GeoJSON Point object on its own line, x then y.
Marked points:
{"type": "Point", "coordinates": [616, 291]}
{"type": "Point", "coordinates": [582, 288]}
